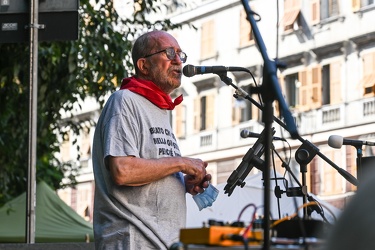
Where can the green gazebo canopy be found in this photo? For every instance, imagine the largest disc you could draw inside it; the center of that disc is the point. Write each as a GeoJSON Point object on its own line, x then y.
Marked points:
{"type": "Point", "coordinates": [55, 221]}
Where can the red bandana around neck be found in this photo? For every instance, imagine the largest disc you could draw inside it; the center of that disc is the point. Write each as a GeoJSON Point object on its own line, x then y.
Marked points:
{"type": "Point", "coordinates": [151, 92]}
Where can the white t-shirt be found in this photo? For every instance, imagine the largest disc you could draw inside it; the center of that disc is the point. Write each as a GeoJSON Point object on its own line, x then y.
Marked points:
{"type": "Point", "coordinates": [143, 217]}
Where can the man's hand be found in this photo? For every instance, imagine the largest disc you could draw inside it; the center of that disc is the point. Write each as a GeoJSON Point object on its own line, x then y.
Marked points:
{"type": "Point", "coordinates": [194, 188]}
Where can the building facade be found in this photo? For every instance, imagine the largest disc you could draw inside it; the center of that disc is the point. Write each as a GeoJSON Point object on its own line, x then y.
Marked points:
{"type": "Point", "coordinates": [327, 52]}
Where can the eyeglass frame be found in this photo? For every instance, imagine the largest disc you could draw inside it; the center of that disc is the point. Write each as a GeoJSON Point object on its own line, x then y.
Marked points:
{"type": "Point", "coordinates": [182, 59]}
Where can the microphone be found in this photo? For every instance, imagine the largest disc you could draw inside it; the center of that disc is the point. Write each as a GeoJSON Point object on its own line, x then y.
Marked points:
{"type": "Point", "coordinates": [246, 133]}
{"type": "Point", "coordinates": [336, 141]}
{"type": "Point", "coordinates": [191, 70]}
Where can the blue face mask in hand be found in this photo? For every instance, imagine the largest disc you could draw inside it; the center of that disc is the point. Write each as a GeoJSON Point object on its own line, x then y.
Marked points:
{"type": "Point", "coordinates": [206, 198]}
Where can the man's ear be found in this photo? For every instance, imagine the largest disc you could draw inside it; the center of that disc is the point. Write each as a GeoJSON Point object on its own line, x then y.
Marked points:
{"type": "Point", "coordinates": [143, 66]}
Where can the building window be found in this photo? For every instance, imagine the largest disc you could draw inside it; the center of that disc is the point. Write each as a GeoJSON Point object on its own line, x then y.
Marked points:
{"type": "Point", "coordinates": [313, 87]}
{"type": "Point", "coordinates": [368, 79]}
{"type": "Point", "coordinates": [242, 110]}
{"type": "Point", "coordinates": [292, 10]}
{"type": "Point", "coordinates": [358, 4]}
{"type": "Point", "coordinates": [329, 8]}
{"type": "Point", "coordinates": [204, 113]}
{"type": "Point", "coordinates": [291, 89]}
{"type": "Point", "coordinates": [325, 85]}
{"type": "Point", "coordinates": [331, 83]}
{"type": "Point", "coordinates": [324, 9]}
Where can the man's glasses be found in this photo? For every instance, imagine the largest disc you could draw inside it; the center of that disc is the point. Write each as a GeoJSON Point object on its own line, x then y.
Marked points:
{"type": "Point", "coordinates": [171, 54]}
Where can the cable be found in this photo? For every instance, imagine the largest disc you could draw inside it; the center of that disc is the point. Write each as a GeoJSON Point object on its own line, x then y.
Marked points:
{"type": "Point", "coordinates": [243, 210]}
{"type": "Point", "coordinates": [245, 232]}
{"type": "Point", "coordinates": [312, 203]}
{"type": "Point", "coordinates": [285, 218]}
{"type": "Point", "coordinates": [321, 212]}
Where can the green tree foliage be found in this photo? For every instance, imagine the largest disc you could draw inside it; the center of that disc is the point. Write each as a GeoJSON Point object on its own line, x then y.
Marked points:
{"type": "Point", "coordinates": [67, 73]}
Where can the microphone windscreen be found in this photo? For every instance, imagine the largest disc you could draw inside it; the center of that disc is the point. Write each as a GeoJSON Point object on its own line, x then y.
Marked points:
{"type": "Point", "coordinates": [335, 141]}
{"type": "Point", "coordinates": [188, 70]}
{"type": "Point", "coordinates": [244, 133]}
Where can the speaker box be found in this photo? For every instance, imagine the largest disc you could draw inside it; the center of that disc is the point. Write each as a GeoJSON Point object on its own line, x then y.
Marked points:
{"type": "Point", "coordinates": [367, 168]}
{"type": "Point", "coordinates": [58, 20]}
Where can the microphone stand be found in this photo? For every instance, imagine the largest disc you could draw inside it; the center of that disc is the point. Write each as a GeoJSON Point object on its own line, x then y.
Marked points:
{"type": "Point", "coordinates": [305, 153]}
{"type": "Point", "coordinates": [307, 146]}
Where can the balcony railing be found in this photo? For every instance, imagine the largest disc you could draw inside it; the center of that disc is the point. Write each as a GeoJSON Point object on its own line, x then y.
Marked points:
{"type": "Point", "coordinates": [326, 118]}
{"type": "Point", "coordinates": [369, 108]}
{"type": "Point", "coordinates": [331, 115]}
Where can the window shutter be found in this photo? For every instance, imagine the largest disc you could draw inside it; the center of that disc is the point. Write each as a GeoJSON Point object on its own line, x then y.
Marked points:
{"type": "Point", "coordinates": [303, 90]}
{"type": "Point", "coordinates": [208, 39]}
{"type": "Point", "coordinates": [246, 34]}
{"type": "Point", "coordinates": [368, 64]}
{"type": "Point", "coordinates": [315, 182]}
{"type": "Point", "coordinates": [315, 11]}
{"type": "Point", "coordinates": [334, 7]}
{"type": "Point", "coordinates": [276, 109]}
{"type": "Point", "coordinates": [332, 180]}
{"type": "Point", "coordinates": [335, 82]}
{"type": "Point", "coordinates": [356, 5]}
{"type": "Point", "coordinates": [180, 120]}
{"type": "Point", "coordinates": [210, 107]}
{"type": "Point", "coordinates": [316, 87]}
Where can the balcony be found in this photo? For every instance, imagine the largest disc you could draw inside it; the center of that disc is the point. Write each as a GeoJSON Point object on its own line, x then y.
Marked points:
{"type": "Point", "coordinates": [339, 116]}
{"type": "Point", "coordinates": [326, 118]}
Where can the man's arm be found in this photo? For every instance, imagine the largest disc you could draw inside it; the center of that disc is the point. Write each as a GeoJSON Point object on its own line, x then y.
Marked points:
{"type": "Point", "coordinates": [134, 171]}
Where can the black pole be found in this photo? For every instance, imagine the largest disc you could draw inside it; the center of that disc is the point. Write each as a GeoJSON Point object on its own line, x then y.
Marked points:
{"type": "Point", "coordinates": [270, 91]}
{"type": "Point", "coordinates": [33, 95]}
